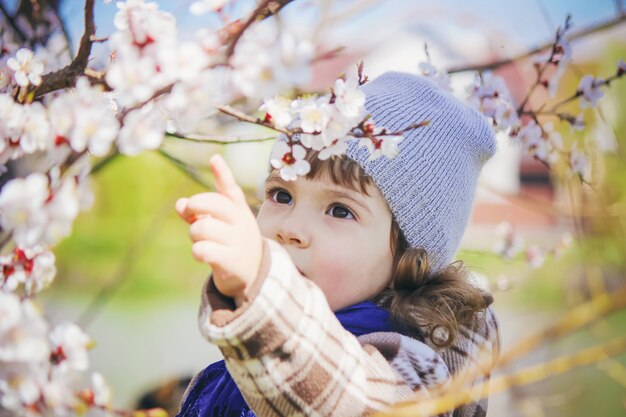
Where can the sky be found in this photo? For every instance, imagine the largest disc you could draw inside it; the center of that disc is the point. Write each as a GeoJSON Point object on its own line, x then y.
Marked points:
{"type": "Point", "coordinates": [526, 21]}
{"type": "Point", "coordinates": [453, 29]}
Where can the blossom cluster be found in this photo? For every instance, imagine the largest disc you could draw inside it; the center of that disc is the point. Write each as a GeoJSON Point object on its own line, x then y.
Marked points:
{"type": "Point", "coordinates": [325, 124]}
{"type": "Point", "coordinates": [73, 121]}
{"type": "Point", "coordinates": [510, 244]}
{"type": "Point", "coordinates": [43, 367]}
{"type": "Point", "coordinates": [527, 126]}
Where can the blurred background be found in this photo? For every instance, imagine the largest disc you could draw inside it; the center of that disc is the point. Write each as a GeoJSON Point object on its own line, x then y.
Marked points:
{"type": "Point", "coordinates": [127, 276]}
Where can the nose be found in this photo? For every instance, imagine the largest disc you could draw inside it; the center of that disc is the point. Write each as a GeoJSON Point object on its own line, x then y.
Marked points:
{"type": "Point", "coordinates": [292, 232]}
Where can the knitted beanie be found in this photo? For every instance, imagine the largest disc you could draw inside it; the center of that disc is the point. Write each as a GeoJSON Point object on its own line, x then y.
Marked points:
{"type": "Point", "coordinates": [430, 184]}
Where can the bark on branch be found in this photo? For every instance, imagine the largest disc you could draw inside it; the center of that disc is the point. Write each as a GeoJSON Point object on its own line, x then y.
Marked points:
{"type": "Point", "coordinates": [66, 77]}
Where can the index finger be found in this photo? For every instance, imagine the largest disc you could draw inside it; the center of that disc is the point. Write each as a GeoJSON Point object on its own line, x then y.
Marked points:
{"type": "Point", "coordinates": [224, 180]}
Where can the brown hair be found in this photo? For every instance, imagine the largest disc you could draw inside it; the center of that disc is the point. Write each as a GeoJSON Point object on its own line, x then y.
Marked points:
{"type": "Point", "coordinates": [432, 305]}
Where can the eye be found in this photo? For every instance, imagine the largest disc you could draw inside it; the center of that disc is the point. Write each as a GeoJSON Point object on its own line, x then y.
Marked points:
{"type": "Point", "coordinates": [278, 195]}
{"type": "Point", "coordinates": [341, 212]}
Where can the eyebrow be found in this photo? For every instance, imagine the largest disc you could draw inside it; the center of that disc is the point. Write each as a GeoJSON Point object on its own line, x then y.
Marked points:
{"type": "Point", "coordinates": [273, 177]}
{"type": "Point", "coordinates": [347, 196]}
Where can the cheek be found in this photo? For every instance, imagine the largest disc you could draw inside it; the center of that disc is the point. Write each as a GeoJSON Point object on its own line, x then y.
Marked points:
{"type": "Point", "coordinates": [356, 273]}
{"type": "Point", "coordinates": [265, 221]}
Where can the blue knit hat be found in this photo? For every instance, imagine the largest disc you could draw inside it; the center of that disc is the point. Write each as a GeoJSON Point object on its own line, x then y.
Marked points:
{"type": "Point", "coordinates": [430, 184]}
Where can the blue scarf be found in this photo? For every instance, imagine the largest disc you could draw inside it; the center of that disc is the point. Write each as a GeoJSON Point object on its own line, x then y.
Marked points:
{"type": "Point", "coordinates": [215, 394]}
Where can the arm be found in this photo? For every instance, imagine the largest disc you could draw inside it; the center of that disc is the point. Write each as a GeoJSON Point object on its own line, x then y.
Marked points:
{"type": "Point", "coordinates": [290, 356]}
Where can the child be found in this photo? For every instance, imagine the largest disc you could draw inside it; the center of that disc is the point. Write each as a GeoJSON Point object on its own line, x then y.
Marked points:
{"type": "Point", "coordinates": [371, 241]}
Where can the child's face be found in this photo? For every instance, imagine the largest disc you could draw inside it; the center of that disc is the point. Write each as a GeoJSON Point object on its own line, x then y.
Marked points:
{"type": "Point", "coordinates": [338, 238]}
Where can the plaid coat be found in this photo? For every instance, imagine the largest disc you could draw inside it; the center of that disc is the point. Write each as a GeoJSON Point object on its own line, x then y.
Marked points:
{"type": "Point", "coordinates": [290, 356]}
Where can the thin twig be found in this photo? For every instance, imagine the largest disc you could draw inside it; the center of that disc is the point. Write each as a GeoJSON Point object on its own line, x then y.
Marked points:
{"type": "Point", "coordinates": [266, 9]}
{"type": "Point", "coordinates": [104, 162]}
{"type": "Point", "coordinates": [95, 39]}
{"type": "Point", "coordinates": [453, 399]}
{"type": "Point", "coordinates": [575, 319]}
{"type": "Point", "coordinates": [574, 35]}
{"type": "Point", "coordinates": [165, 90]}
{"type": "Point", "coordinates": [254, 120]}
{"type": "Point", "coordinates": [6, 240]}
{"type": "Point", "coordinates": [329, 54]}
{"type": "Point", "coordinates": [185, 168]}
{"type": "Point", "coordinates": [579, 93]}
{"type": "Point", "coordinates": [221, 140]}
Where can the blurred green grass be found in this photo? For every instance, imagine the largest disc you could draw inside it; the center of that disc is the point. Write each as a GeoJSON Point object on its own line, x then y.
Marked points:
{"type": "Point", "coordinates": [132, 238]}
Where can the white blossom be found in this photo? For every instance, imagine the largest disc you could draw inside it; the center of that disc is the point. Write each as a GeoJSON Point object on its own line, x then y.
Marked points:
{"type": "Point", "coordinates": [541, 142]}
{"type": "Point", "coordinates": [509, 243]}
{"type": "Point", "coordinates": [84, 119]}
{"type": "Point", "coordinates": [490, 96]}
{"type": "Point", "coordinates": [133, 80]}
{"type": "Point", "coordinates": [12, 119]}
{"type": "Point", "coordinates": [22, 208]}
{"type": "Point", "coordinates": [313, 114]}
{"type": "Point", "coordinates": [590, 89]}
{"type": "Point", "coordinates": [578, 163]}
{"type": "Point", "coordinates": [143, 129]}
{"type": "Point", "coordinates": [61, 211]}
{"type": "Point", "coordinates": [147, 52]}
{"type": "Point", "coordinates": [382, 145]}
{"type": "Point", "coordinates": [290, 160]}
{"type": "Point", "coordinates": [269, 60]}
{"type": "Point", "coordinates": [36, 129]}
{"type": "Point", "coordinates": [195, 100]}
{"type": "Point", "coordinates": [102, 392]}
{"type": "Point", "coordinates": [338, 147]}
{"type": "Point", "coordinates": [548, 146]}
{"type": "Point", "coordinates": [578, 123]}
{"type": "Point", "coordinates": [69, 347]}
{"type": "Point", "coordinates": [143, 21]}
{"type": "Point", "coordinates": [350, 100]}
{"type": "Point", "coordinates": [27, 69]}
{"type": "Point", "coordinates": [185, 63]}
{"type": "Point", "coordinates": [22, 331]}
{"type": "Point", "coordinates": [32, 268]}
{"type": "Point", "coordinates": [535, 256]}
{"type": "Point", "coordinates": [561, 58]}
{"type": "Point", "coordinates": [280, 109]}
{"type": "Point", "coordinates": [337, 127]}
{"type": "Point", "coordinates": [55, 54]}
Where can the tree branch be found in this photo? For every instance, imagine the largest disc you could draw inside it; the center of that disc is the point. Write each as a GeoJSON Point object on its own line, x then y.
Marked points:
{"type": "Point", "coordinates": [263, 11]}
{"type": "Point", "coordinates": [66, 77]}
{"type": "Point", "coordinates": [574, 35]}
{"type": "Point", "coordinates": [254, 120]}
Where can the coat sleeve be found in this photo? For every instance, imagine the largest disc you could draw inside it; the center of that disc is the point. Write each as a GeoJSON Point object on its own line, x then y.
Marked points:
{"type": "Point", "coordinates": [289, 355]}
